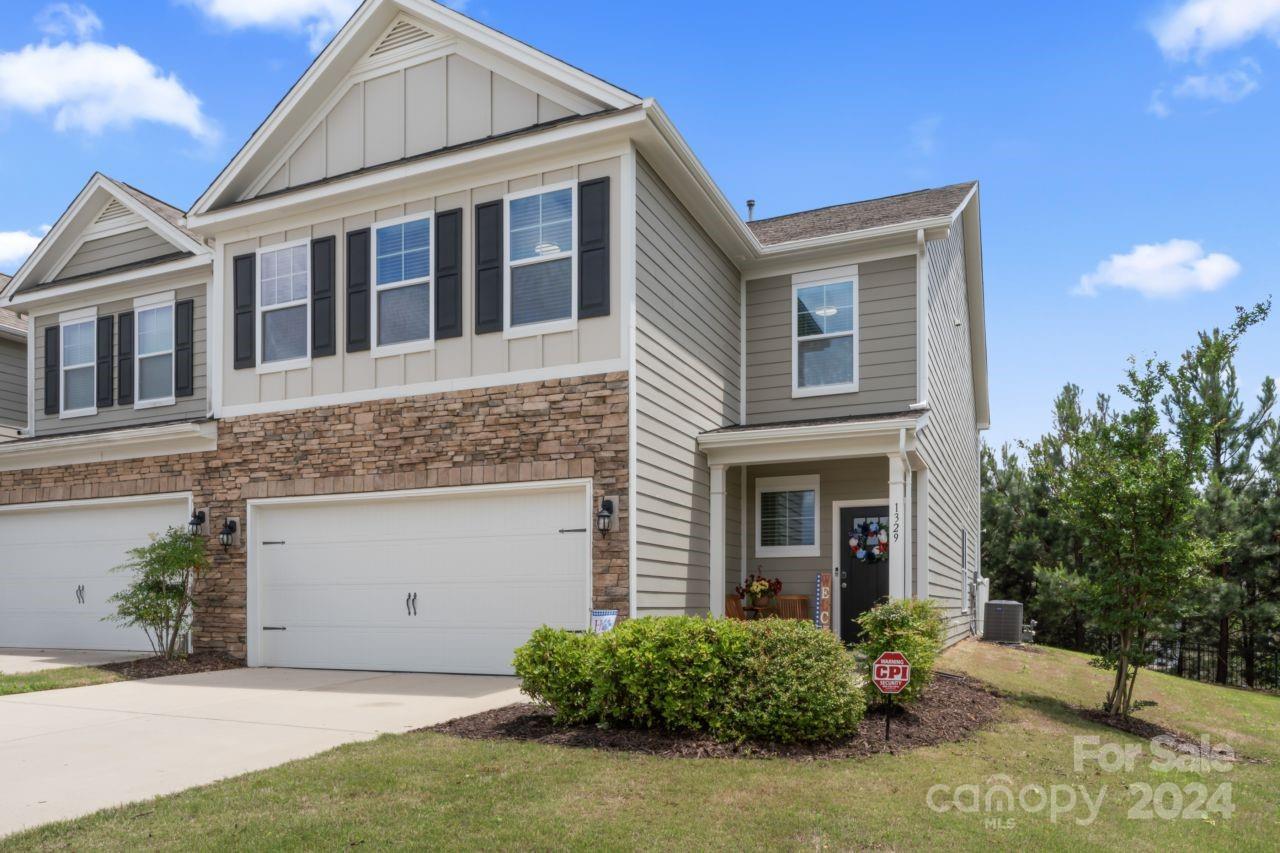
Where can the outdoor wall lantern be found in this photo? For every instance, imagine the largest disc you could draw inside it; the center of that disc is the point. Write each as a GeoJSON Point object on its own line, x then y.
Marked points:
{"type": "Point", "coordinates": [604, 518]}
{"type": "Point", "coordinates": [196, 523]}
{"type": "Point", "coordinates": [228, 534]}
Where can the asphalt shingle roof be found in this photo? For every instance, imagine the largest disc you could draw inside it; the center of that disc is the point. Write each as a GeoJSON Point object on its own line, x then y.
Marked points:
{"type": "Point", "coordinates": [860, 215]}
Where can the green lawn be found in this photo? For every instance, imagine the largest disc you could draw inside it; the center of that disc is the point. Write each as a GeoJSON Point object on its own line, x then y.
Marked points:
{"type": "Point", "coordinates": [421, 790]}
{"type": "Point", "coordinates": [55, 679]}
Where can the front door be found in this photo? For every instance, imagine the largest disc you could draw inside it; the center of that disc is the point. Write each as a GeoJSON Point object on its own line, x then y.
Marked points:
{"type": "Point", "coordinates": [863, 583]}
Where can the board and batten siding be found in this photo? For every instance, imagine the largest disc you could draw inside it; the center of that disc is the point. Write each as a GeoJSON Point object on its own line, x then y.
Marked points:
{"type": "Point", "coordinates": [195, 406]}
{"type": "Point", "coordinates": [686, 377]}
{"type": "Point", "coordinates": [949, 444]}
{"type": "Point", "coordinates": [886, 347]}
{"type": "Point", "coordinates": [598, 339]}
{"type": "Point", "coordinates": [13, 383]}
{"type": "Point", "coordinates": [106, 253]}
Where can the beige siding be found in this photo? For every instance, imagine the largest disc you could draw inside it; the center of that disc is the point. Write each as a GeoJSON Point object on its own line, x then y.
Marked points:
{"type": "Point", "coordinates": [597, 339]}
{"type": "Point", "coordinates": [407, 111]}
{"type": "Point", "coordinates": [122, 416]}
{"type": "Point", "coordinates": [687, 362]}
{"type": "Point", "coordinates": [886, 347]}
{"type": "Point", "coordinates": [949, 444]}
{"type": "Point", "coordinates": [117, 250]}
{"type": "Point", "coordinates": [13, 383]}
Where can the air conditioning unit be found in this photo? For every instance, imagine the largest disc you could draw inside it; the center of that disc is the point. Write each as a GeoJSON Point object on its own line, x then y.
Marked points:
{"type": "Point", "coordinates": [1002, 622]}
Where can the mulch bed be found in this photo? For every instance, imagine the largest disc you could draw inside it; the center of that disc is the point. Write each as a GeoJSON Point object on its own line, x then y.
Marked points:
{"type": "Point", "coordinates": [1148, 730]}
{"type": "Point", "coordinates": [159, 667]}
{"type": "Point", "coordinates": [952, 709]}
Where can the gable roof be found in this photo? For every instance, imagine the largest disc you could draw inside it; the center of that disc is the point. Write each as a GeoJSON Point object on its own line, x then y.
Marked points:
{"type": "Point", "coordinates": [371, 26]}
{"type": "Point", "coordinates": [11, 324]}
{"type": "Point", "coordinates": [861, 215]}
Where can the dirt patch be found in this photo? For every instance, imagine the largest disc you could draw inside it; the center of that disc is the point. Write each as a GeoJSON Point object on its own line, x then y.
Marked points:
{"type": "Point", "coordinates": [952, 708]}
{"type": "Point", "coordinates": [159, 667]}
{"type": "Point", "coordinates": [1148, 730]}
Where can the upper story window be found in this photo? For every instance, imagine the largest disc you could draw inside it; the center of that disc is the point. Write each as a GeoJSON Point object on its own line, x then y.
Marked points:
{"type": "Point", "coordinates": [787, 517]}
{"type": "Point", "coordinates": [284, 316]}
{"type": "Point", "coordinates": [402, 281]}
{"type": "Point", "coordinates": [541, 263]}
{"type": "Point", "coordinates": [825, 332]}
{"type": "Point", "coordinates": [79, 368]}
{"type": "Point", "coordinates": [155, 363]}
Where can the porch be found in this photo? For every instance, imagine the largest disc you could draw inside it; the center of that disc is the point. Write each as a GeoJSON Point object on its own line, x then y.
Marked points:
{"type": "Point", "coordinates": [786, 499]}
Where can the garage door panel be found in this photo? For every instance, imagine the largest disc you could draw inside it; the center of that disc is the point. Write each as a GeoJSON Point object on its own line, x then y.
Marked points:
{"type": "Point", "coordinates": [482, 650]}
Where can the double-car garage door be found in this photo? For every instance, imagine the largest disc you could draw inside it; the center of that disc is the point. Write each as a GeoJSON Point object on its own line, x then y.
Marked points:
{"type": "Point", "coordinates": [442, 581]}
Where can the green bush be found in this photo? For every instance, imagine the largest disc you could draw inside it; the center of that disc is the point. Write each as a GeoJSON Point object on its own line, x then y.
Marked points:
{"type": "Point", "coordinates": [776, 680]}
{"type": "Point", "coordinates": [912, 626]}
{"type": "Point", "coordinates": [159, 598]}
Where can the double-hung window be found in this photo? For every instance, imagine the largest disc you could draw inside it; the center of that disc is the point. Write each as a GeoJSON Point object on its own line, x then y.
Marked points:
{"type": "Point", "coordinates": [79, 367]}
{"type": "Point", "coordinates": [787, 517]}
{"type": "Point", "coordinates": [154, 353]}
{"type": "Point", "coordinates": [824, 339]}
{"type": "Point", "coordinates": [541, 270]}
{"type": "Point", "coordinates": [284, 306]}
{"type": "Point", "coordinates": [402, 281]}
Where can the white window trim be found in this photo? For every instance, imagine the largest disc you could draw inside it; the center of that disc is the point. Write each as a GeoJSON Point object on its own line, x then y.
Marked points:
{"type": "Point", "coordinates": [806, 482]}
{"type": "Point", "coordinates": [837, 275]}
{"type": "Point", "coordinates": [551, 326]}
{"type": "Point", "coordinates": [259, 336]}
{"type": "Point", "coordinates": [140, 305]}
{"type": "Point", "coordinates": [76, 318]}
{"type": "Point", "coordinates": [428, 343]}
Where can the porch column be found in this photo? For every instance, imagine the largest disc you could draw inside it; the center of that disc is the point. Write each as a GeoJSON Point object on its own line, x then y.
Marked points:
{"type": "Point", "coordinates": [898, 544]}
{"type": "Point", "coordinates": [717, 540]}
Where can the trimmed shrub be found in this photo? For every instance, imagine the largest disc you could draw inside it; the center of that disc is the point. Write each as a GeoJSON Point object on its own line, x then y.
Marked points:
{"type": "Point", "coordinates": [912, 626]}
{"type": "Point", "coordinates": [776, 680]}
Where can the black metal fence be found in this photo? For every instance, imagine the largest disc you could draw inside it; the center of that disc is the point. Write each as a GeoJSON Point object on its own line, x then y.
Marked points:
{"type": "Point", "coordinates": [1200, 662]}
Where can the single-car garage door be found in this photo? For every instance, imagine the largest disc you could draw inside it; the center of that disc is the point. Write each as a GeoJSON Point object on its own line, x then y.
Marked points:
{"type": "Point", "coordinates": [55, 569]}
{"type": "Point", "coordinates": [446, 581]}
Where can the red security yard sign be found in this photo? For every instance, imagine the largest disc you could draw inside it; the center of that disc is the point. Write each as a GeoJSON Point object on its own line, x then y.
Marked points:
{"type": "Point", "coordinates": [891, 672]}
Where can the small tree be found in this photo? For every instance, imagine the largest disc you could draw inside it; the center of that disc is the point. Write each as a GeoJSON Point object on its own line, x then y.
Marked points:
{"type": "Point", "coordinates": [159, 599]}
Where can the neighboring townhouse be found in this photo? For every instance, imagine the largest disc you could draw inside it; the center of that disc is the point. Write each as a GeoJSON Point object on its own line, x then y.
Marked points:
{"type": "Point", "coordinates": [465, 340]}
{"type": "Point", "coordinates": [13, 370]}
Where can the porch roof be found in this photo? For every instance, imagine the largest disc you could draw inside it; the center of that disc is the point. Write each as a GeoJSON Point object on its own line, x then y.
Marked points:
{"type": "Point", "coordinates": [828, 438]}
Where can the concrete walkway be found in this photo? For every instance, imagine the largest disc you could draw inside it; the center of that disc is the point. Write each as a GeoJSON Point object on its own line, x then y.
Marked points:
{"type": "Point", "coordinates": [67, 753]}
{"type": "Point", "coordinates": [14, 661]}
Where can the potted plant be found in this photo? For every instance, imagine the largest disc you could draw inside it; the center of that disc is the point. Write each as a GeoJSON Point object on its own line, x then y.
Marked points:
{"type": "Point", "coordinates": [759, 590]}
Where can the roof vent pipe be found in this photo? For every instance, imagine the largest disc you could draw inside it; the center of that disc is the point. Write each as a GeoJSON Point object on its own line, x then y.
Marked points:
{"type": "Point", "coordinates": [751, 209]}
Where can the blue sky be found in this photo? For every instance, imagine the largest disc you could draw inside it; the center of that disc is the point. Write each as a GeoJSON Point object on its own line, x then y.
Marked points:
{"type": "Point", "coordinates": [1127, 152]}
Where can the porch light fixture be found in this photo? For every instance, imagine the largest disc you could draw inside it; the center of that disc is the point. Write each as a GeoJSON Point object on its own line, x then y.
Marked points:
{"type": "Point", "coordinates": [227, 534]}
{"type": "Point", "coordinates": [196, 523]}
{"type": "Point", "coordinates": [604, 518]}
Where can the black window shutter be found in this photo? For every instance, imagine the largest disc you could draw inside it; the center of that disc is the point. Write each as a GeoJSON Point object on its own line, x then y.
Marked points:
{"type": "Point", "coordinates": [358, 269]}
{"type": "Point", "coordinates": [324, 307]}
{"type": "Point", "coordinates": [593, 248]}
{"type": "Point", "coordinates": [124, 379]}
{"type": "Point", "coordinates": [52, 381]}
{"type": "Point", "coordinates": [243, 269]}
{"type": "Point", "coordinates": [106, 361]}
{"type": "Point", "coordinates": [449, 274]}
{"type": "Point", "coordinates": [489, 267]}
{"type": "Point", "coordinates": [184, 335]}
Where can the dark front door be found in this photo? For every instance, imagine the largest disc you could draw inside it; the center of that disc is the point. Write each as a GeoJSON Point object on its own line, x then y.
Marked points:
{"type": "Point", "coordinates": [862, 584]}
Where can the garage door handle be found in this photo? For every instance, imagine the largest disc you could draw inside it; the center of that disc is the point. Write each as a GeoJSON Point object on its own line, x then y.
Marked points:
{"type": "Point", "coordinates": [573, 530]}
{"type": "Point", "coordinates": [407, 611]}
{"type": "Point", "coordinates": [415, 604]}
{"type": "Point", "coordinates": [274, 628]}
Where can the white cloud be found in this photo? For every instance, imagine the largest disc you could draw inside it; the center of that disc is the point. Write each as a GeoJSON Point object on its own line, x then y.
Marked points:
{"type": "Point", "coordinates": [16, 245]}
{"type": "Point", "coordinates": [319, 19]}
{"type": "Point", "coordinates": [66, 20]}
{"type": "Point", "coordinates": [92, 87]}
{"type": "Point", "coordinates": [1227, 87]}
{"type": "Point", "coordinates": [1203, 27]}
{"type": "Point", "coordinates": [1162, 270]}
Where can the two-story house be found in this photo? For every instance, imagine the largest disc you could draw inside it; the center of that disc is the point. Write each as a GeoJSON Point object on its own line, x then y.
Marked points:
{"type": "Point", "coordinates": [465, 340]}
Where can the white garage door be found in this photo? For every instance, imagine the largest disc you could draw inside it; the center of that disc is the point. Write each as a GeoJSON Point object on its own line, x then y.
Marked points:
{"type": "Point", "coordinates": [55, 570]}
{"type": "Point", "coordinates": [430, 583]}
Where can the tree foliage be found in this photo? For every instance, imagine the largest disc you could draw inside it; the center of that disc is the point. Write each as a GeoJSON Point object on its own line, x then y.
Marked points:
{"type": "Point", "coordinates": [159, 598]}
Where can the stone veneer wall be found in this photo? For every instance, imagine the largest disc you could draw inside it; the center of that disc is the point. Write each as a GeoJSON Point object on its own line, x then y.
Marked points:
{"type": "Point", "coordinates": [551, 430]}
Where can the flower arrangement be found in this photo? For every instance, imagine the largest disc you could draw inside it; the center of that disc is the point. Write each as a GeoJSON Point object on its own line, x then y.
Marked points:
{"type": "Point", "coordinates": [869, 542]}
{"type": "Point", "coordinates": [758, 588]}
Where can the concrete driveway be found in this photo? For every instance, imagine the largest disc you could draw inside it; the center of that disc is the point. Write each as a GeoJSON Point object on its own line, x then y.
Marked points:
{"type": "Point", "coordinates": [67, 753]}
{"type": "Point", "coordinates": [13, 661]}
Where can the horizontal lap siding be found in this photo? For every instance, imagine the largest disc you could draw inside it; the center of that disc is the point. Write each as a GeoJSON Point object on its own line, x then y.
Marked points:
{"type": "Point", "coordinates": [949, 444]}
{"type": "Point", "coordinates": [886, 347]}
{"type": "Point", "coordinates": [13, 383]}
{"type": "Point", "coordinates": [109, 252]}
{"type": "Point", "coordinates": [687, 362]}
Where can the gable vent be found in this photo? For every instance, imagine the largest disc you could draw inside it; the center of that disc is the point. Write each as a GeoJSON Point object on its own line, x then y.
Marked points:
{"type": "Point", "coordinates": [402, 34]}
{"type": "Point", "coordinates": [113, 211]}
